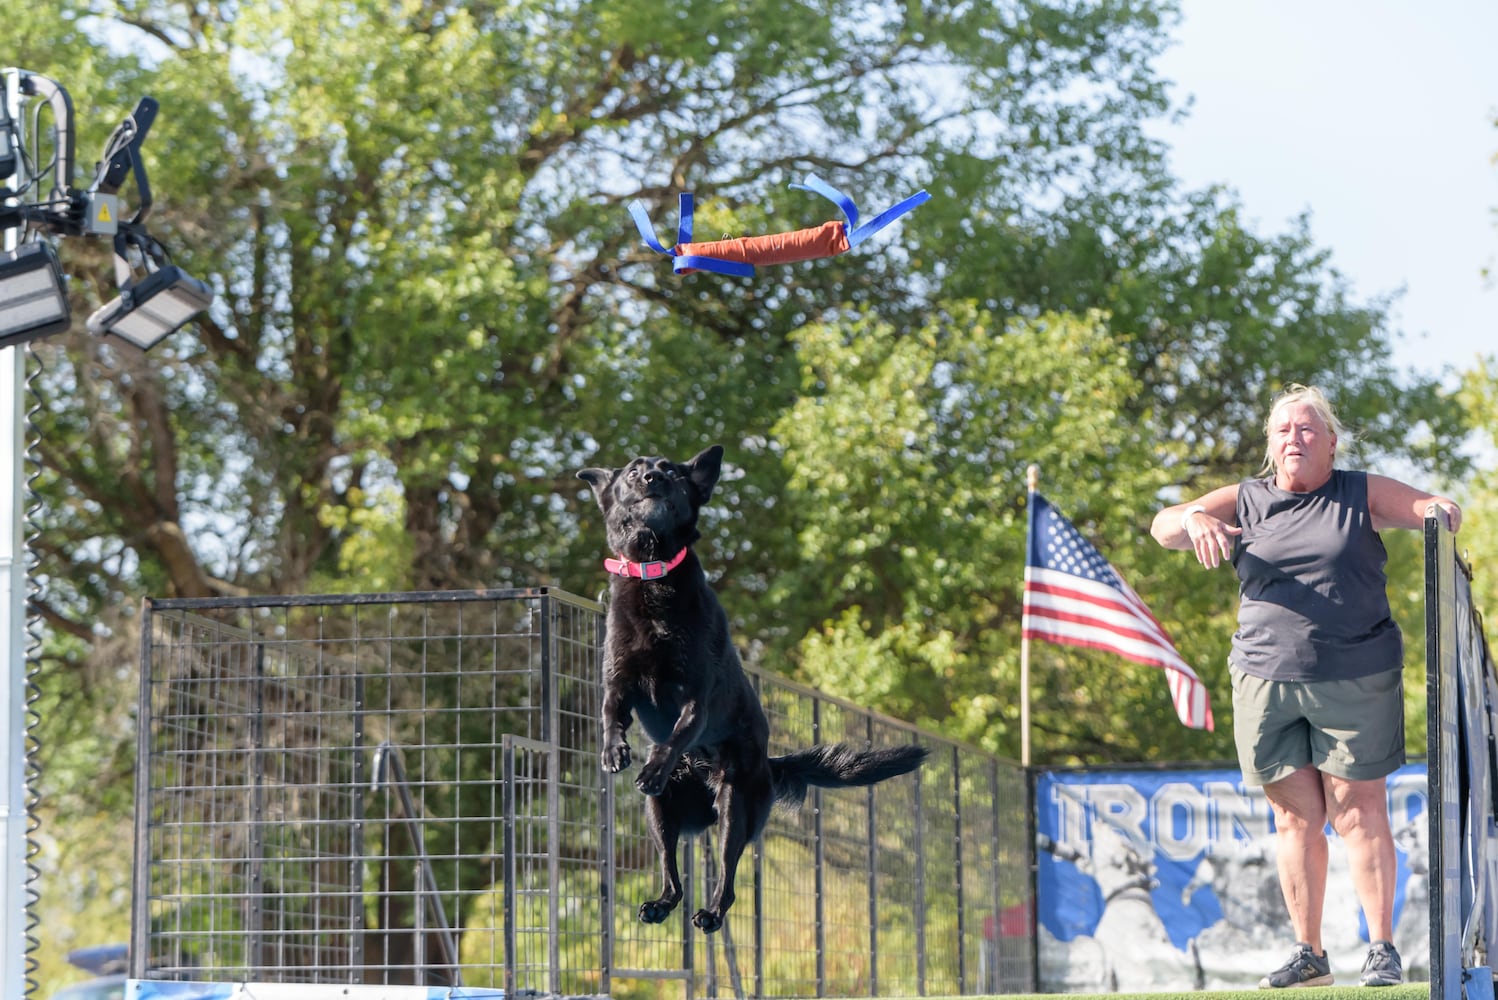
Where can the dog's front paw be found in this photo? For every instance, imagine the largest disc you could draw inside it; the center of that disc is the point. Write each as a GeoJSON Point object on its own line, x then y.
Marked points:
{"type": "Point", "coordinates": [707, 920]}
{"type": "Point", "coordinates": [615, 757]}
{"type": "Point", "coordinates": [654, 775]}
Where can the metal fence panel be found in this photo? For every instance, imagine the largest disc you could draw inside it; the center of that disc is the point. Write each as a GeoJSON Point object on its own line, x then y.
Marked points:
{"type": "Point", "coordinates": [406, 789]}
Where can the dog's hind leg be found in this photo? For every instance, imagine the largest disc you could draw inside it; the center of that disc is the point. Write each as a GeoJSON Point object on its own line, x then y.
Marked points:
{"type": "Point", "coordinates": [665, 831]}
{"type": "Point", "coordinates": [686, 806]}
{"type": "Point", "coordinates": [743, 810]}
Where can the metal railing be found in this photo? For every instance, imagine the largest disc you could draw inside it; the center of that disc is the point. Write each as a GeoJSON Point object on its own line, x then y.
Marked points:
{"type": "Point", "coordinates": [1462, 757]}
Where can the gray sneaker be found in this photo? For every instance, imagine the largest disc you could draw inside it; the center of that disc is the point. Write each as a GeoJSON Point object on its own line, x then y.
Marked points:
{"type": "Point", "coordinates": [1382, 966]}
{"type": "Point", "coordinates": [1304, 969]}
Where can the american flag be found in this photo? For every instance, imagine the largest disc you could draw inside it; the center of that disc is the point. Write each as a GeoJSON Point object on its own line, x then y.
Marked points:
{"type": "Point", "coordinates": [1074, 597]}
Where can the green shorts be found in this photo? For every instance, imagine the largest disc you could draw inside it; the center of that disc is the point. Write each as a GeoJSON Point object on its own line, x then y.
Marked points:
{"type": "Point", "coordinates": [1353, 729]}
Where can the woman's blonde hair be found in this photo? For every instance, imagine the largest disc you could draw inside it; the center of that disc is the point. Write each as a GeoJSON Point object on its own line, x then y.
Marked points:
{"type": "Point", "coordinates": [1311, 396]}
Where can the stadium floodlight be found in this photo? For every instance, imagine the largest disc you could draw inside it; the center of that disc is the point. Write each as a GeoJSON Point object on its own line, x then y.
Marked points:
{"type": "Point", "coordinates": [148, 312]}
{"type": "Point", "coordinates": [33, 299]}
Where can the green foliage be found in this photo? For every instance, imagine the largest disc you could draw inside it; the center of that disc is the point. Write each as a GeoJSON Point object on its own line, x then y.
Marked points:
{"type": "Point", "coordinates": [908, 456]}
{"type": "Point", "coordinates": [1478, 539]}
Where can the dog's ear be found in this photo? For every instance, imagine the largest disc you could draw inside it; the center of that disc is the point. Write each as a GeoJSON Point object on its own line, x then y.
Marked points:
{"type": "Point", "coordinates": [599, 479]}
{"type": "Point", "coordinates": [704, 470]}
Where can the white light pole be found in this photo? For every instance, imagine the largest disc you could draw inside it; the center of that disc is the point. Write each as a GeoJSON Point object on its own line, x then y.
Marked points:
{"type": "Point", "coordinates": [13, 817]}
{"type": "Point", "coordinates": [13, 636]}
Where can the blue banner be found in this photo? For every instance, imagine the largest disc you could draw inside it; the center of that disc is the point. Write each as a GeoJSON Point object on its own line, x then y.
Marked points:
{"type": "Point", "coordinates": [1167, 880]}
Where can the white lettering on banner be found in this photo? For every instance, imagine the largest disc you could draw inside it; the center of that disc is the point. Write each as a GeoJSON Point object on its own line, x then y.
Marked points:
{"type": "Point", "coordinates": [1124, 808]}
{"type": "Point", "coordinates": [1179, 817]}
{"type": "Point", "coordinates": [1181, 820]}
{"type": "Point", "coordinates": [1409, 796]}
{"type": "Point", "coordinates": [1071, 814]}
{"type": "Point", "coordinates": [1238, 815]}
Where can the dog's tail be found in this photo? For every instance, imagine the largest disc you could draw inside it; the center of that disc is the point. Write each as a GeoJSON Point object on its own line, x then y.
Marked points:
{"type": "Point", "coordinates": [838, 765]}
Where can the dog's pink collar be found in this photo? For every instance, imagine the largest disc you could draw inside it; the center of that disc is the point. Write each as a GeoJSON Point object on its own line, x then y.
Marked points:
{"type": "Point", "coordinates": [644, 570]}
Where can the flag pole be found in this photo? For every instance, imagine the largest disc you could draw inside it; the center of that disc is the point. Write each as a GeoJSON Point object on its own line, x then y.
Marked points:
{"type": "Point", "coordinates": [1032, 480]}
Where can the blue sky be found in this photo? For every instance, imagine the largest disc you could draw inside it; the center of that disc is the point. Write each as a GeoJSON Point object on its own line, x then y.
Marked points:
{"type": "Point", "coordinates": [1376, 116]}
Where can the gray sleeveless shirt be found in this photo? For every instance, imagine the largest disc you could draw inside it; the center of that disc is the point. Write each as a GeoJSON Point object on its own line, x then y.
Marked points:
{"type": "Point", "coordinates": [1313, 604]}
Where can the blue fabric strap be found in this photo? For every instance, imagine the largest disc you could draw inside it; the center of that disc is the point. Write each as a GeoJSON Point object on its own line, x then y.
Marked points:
{"type": "Point", "coordinates": [647, 230]}
{"type": "Point", "coordinates": [692, 262]}
{"type": "Point", "coordinates": [856, 233]}
{"type": "Point", "coordinates": [884, 218]}
{"type": "Point", "coordinates": [684, 218]}
{"type": "Point", "coordinates": [688, 262]}
{"type": "Point", "coordinates": [816, 184]}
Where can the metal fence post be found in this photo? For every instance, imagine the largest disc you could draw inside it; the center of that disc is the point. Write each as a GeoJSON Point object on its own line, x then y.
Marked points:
{"type": "Point", "coordinates": [550, 657]}
{"type": "Point", "coordinates": [1443, 735]}
{"type": "Point", "coordinates": [920, 883]}
{"type": "Point", "coordinates": [759, 888]}
{"type": "Point", "coordinates": [962, 982]}
{"type": "Point", "coordinates": [359, 848]}
{"type": "Point", "coordinates": [996, 971]}
{"type": "Point", "coordinates": [688, 896]}
{"type": "Point", "coordinates": [549, 712]}
{"type": "Point", "coordinates": [819, 861]}
{"type": "Point", "coordinates": [255, 922]}
{"type": "Point", "coordinates": [1032, 865]}
{"type": "Point", "coordinates": [873, 873]}
{"type": "Point", "coordinates": [511, 910]}
{"type": "Point", "coordinates": [140, 875]}
{"type": "Point", "coordinates": [610, 834]}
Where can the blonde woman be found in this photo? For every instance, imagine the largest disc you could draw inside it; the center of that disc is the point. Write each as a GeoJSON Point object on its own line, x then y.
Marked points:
{"type": "Point", "coordinates": [1316, 662]}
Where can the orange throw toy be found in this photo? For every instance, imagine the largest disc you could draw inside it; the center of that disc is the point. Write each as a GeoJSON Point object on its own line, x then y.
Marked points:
{"type": "Point", "coordinates": [739, 256]}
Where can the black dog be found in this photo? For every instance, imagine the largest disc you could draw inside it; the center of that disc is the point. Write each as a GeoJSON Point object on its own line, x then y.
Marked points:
{"type": "Point", "coordinates": [668, 661]}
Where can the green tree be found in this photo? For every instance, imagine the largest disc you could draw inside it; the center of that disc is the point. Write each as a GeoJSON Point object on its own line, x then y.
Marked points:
{"type": "Point", "coordinates": [1478, 538]}
{"type": "Point", "coordinates": [432, 308]}
{"type": "Point", "coordinates": [910, 456]}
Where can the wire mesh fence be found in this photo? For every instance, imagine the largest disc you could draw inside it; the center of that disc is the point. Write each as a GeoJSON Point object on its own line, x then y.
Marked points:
{"type": "Point", "coordinates": [406, 789]}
